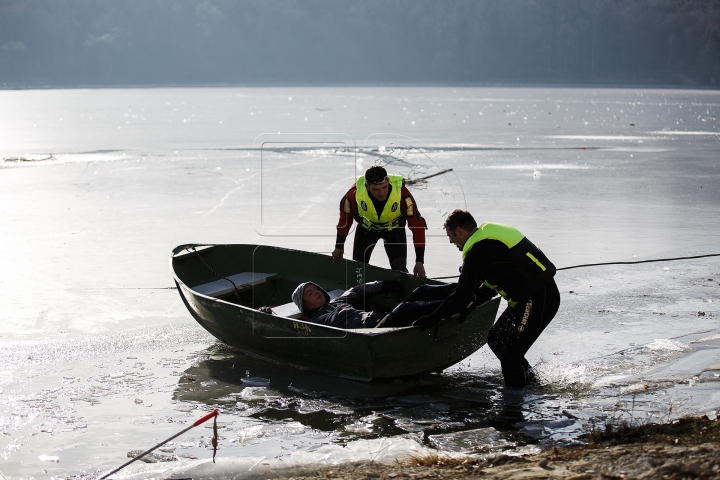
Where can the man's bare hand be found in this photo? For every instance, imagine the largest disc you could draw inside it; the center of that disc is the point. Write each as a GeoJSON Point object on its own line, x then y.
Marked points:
{"type": "Point", "coordinates": [419, 270]}
{"type": "Point", "coordinates": [337, 253]}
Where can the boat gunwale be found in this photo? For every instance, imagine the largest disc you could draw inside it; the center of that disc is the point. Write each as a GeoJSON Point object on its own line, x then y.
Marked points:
{"type": "Point", "coordinates": [361, 332]}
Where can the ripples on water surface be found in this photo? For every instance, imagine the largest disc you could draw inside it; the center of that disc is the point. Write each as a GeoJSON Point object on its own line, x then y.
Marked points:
{"type": "Point", "coordinates": [98, 358]}
{"type": "Point", "coordinates": [91, 398]}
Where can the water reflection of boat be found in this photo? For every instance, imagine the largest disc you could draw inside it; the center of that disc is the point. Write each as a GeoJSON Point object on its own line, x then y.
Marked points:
{"type": "Point", "coordinates": [223, 285]}
{"type": "Point", "coordinates": [221, 371]}
{"type": "Point", "coordinates": [344, 409]}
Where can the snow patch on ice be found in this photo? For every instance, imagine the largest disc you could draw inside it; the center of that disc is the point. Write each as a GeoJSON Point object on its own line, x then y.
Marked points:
{"type": "Point", "coordinates": [666, 345]}
{"type": "Point", "coordinates": [707, 339]}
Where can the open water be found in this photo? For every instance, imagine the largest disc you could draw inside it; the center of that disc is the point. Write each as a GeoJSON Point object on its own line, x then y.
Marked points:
{"type": "Point", "coordinates": [98, 357]}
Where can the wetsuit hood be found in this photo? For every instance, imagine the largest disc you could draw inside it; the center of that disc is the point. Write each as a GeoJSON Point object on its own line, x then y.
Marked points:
{"type": "Point", "coordinates": [297, 295]}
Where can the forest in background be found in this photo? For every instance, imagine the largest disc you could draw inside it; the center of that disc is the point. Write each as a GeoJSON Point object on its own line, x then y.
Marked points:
{"type": "Point", "coordinates": [67, 43]}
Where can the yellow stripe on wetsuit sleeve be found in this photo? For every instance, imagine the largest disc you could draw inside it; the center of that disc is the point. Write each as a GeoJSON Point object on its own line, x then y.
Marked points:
{"type": "Point", "coordinates": [537, 262]}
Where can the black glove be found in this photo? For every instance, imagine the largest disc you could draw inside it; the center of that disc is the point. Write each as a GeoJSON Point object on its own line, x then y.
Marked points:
{"type": "Point", "coordinates": [425, 322]}
{"type": "Point", "coordinates": [392, 286]}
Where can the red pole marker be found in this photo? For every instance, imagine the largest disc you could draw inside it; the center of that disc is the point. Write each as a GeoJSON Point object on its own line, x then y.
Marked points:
{"type": "Point", "coordinates": [204, 419]}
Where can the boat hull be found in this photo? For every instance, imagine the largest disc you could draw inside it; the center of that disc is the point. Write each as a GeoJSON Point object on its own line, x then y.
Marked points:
{"type": "Point", "coordinates": [361, 354]}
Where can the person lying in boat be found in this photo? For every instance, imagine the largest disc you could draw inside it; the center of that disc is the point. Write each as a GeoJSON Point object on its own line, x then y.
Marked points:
{"type": "Point", "coordinates": [346, 311]}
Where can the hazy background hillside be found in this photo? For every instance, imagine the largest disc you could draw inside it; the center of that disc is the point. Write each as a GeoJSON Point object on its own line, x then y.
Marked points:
{"type": "Point", "coordinates": [338, 42]}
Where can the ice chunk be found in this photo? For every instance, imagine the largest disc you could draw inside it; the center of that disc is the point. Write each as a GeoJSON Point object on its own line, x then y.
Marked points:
{"type": "Point", "coordinates": [707, 339]}
{"type": "Point", "coordinates": [555, 430]}
{"type": "Point", "coordinates": [250, 433]}
{"type": "Point", "coordinates": [273, 430]}
{"type": "Point", "coordinates": [254, 394]}
{"type": "Point", "coordinates": [664, 344]}
{"type": "Point", "coordinates": [256, 381]}
{"type": "Point", "coordinates": [478, 439]}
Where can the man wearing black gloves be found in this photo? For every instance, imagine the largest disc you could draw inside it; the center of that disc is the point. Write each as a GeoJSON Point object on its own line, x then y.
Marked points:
{"type": "Point", "coordinates": [346, 311]}
{"type": "Point", "coordinates": [498, 260]}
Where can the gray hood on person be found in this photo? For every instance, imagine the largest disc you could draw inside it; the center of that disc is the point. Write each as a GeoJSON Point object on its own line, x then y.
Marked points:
{"type": "Point", "coordinates": [297, 295]}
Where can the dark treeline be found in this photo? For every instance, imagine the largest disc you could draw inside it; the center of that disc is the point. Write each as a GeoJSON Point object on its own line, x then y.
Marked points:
{"type": "Point", "coordinates": [332, 42]}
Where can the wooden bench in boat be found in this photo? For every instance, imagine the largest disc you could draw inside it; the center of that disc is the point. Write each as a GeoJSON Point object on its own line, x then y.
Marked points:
{"type": "Point", "coordinates": [243, 281]}
{"type": "Point", "coordinates": [290, 310]}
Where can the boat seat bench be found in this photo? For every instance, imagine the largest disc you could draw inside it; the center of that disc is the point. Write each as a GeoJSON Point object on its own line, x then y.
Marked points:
{"type": "Point", "coordinates": [290, 310]}
{"type": "Point", "coordinates": [243, 281]}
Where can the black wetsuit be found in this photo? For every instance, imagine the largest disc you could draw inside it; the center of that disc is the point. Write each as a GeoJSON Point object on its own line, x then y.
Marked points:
{"type": "Point", "coordinates": [514, 332]}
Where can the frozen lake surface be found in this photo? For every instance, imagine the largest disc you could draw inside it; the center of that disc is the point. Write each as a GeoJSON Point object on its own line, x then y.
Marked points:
{"type": "Point", "coordinates": [98, 356]}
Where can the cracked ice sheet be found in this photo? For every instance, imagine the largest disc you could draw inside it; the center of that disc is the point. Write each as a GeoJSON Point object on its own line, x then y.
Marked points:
{"type": "Point", "coordinates": [382, 450]}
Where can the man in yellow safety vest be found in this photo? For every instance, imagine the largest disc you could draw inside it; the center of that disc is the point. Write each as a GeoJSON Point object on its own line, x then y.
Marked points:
{"type": "Point", "coordinates": [382, 206]}
{"type": "Point", "coordinates": [498, 260]}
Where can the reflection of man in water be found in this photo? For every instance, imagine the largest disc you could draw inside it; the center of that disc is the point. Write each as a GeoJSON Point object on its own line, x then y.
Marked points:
{"type": "Point", "coordinates": [381, 205]}
{"type": "Point", "coordinates": [499, 260]}
{"type": "Point", "coordinates": [347, 310]}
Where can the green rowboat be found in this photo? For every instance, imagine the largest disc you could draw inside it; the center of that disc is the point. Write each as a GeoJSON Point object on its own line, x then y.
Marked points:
{"type": "Point", "coordinates": [223, 285]}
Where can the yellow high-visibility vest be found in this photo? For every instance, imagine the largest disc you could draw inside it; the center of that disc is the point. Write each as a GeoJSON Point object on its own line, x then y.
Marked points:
{"type": "Point", "coordinates": [391, 213]}
{"type": "Point", "coordinates": [511, 237]}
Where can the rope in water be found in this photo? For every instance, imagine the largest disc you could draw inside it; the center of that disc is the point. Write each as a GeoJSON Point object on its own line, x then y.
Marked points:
{"type": "Point", "coordinates": [655, 260]}
{"type": "Point", "coordinates": [672, 259]}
